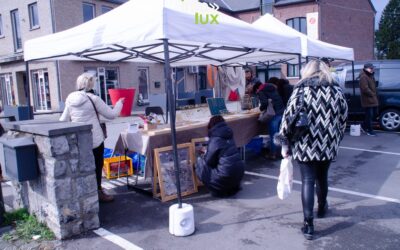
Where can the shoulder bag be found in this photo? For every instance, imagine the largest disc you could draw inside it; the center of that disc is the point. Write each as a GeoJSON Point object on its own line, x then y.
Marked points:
{"type": "Point", "coordinates": [298, 124]}
{"type": "Point", "coordinates": [102, 125]}
{"type": "Point", "coordinates": [268, 114]}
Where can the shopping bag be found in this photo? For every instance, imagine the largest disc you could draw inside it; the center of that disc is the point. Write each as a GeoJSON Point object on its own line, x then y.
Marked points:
{"type": "Point", "coordinates": [285, 180]}
{"type": "Point", "coordinates": [268, 114]}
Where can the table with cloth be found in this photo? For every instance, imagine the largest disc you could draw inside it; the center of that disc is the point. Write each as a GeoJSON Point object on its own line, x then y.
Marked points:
{"type": "Point", "coordinates": [244, 125]}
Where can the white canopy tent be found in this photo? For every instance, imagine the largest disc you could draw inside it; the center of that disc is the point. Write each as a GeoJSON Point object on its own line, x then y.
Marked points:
{"type": "Point", "coordinates": [134, 32]}
{"type": "Point", "coordinates": [164, 31]}
{"type": "Point", "coordinates": [309, 46]}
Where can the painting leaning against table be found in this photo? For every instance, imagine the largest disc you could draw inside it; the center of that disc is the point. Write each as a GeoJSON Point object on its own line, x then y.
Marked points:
{"type": "Point", "coordinates": [166, 171]}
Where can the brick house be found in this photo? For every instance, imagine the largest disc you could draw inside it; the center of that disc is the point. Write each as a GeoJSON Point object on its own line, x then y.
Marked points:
{"type": "Point", "coordinates": [51, 82]}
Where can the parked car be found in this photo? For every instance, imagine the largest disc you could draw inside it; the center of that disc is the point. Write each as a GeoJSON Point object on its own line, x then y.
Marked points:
{"type": "Point", "coordinates": [387, 76]}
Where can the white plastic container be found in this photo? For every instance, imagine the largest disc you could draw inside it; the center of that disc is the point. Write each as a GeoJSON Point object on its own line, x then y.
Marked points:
{"type": "Point", "coordinates": [355, 130]}
{"type": "Point", "coordinates": [181, 220]}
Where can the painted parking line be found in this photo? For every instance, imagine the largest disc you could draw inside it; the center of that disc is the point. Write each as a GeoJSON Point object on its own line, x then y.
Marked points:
{"type": "Point", "coordinates": [116, 239]}
{"type": "Point", "coordinates": [339, 190]}
{"type": "Point", "coordinates": [372, 151]}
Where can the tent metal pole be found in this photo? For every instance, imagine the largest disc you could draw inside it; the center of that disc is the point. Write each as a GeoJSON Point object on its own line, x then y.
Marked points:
{"type": "Point", "coordinates": [27, 89]}
{"type": "Point", "coordinates": [352, 70]}
{"type": "Point", "coordinates": [171, 102]}
{"type": "Point", "coordinates": [299, 58]}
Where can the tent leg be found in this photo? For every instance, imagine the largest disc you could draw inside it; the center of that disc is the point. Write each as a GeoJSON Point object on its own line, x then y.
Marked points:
{"type": "Point", "coordinates": [352, 71]}
{"type": "Point", "coordinates": [171, 107]}
{"type": "Point", "coordinates": [299, 57]}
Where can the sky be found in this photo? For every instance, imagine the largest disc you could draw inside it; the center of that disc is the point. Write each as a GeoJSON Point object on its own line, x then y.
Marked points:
{"type": "Point", "coordinates": [379, 6]}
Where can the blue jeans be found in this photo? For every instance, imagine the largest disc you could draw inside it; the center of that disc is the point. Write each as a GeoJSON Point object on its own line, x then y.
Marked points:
{"type": "Point", "coordinates": [273, 128]}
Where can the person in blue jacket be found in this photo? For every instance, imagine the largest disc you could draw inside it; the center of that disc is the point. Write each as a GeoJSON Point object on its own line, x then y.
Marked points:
{"type": "Point", "coordinates": [221, 168]}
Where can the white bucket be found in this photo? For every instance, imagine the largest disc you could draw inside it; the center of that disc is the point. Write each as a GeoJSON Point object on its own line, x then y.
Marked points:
{"type": "Point", "coordinates": [355, 130]}
{"type": "Point", "coordinates": [181, 220]}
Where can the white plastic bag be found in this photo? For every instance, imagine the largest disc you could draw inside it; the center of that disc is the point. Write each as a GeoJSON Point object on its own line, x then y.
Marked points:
{"type": "Point", "coordinates": [285, 180]}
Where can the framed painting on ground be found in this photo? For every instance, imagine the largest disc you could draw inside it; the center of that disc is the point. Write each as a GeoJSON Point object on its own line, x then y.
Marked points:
{"type": "Point", "coordinates": [199, 148]}
{"type": "Point", "coordinates": [165, 171]}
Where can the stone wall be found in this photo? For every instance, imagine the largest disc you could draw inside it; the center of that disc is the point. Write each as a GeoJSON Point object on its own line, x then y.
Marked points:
{"type": "Point", "coordinates": [64, 196]}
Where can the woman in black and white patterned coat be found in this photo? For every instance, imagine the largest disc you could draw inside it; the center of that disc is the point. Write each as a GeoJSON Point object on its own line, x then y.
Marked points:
{"type": "Point", "coordinates": [326, 110]}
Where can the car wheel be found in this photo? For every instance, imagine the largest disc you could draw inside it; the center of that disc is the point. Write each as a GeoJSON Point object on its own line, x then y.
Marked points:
{"type": "Point", "coordinates": [390, 120]}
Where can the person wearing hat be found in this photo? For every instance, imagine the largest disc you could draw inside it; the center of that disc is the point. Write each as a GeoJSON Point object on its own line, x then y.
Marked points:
{"type": "Point", "coordinates": [369, 98]}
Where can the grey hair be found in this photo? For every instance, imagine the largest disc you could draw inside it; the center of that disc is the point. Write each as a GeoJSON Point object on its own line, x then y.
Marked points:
{"type": "Point", "coordinates": [317, 68]}
{"type": "Point", "coordinates": [85, 81]}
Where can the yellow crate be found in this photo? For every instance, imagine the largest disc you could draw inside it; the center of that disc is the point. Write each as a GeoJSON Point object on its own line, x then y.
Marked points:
{"type": "Point", "coordinates": [116, 167]}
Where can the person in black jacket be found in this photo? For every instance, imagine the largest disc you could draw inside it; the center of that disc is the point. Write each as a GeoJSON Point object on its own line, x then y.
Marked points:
{"type": "Point", "coordinates": [221, 169]}
{"type": "Point", "coordinates": [265, 92]}
{"type": "Point", "coordinates": [284, 90]}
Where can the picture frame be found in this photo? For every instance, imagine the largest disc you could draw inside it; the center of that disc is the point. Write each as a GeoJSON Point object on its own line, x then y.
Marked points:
{"type": "Point", "coordinates": [164, 175]}
{"type": "Point", "coordinates": [197, 144]}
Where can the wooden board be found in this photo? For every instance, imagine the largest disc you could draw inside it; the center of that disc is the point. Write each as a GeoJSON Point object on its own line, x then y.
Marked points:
{"type": "Point", "coordinates": [165, 172]}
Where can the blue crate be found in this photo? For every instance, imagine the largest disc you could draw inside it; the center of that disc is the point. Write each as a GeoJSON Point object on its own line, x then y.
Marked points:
{"type": "Point", "coordinates": [255, 145]}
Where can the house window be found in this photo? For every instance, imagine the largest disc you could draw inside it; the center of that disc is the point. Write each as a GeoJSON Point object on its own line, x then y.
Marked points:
{"type": "Point", "coordinates": [7, 89]}
{"type": "Point", "coordinates": [105, 9]}
{"type": "Point", "coordinates": [292, 70]}
{"type": "Point", "coordinates": [107, 78]}
{"type": "Point", "coordinates": [144, 82]}
{"type": "Point", "coordinates": [88, 11]}
{"type": "Point", "coordinates": [298, 23]}
{"type": "Point", "coordinates": [33, 15]}
{"type": "Point", "coordinates": [16, 30]}
{"type": "Point", "coordinates": [1, 27]}
{"type": "Point", "coordinates": [40, 81]}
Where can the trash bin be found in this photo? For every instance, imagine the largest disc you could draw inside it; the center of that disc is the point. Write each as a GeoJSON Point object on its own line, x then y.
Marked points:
{"type": "Point", "coordinates": [20, 158]}
{"type": "Point", "coordinates": [129, 94]}
{"type": "Point", "coordinates": [19, 112]}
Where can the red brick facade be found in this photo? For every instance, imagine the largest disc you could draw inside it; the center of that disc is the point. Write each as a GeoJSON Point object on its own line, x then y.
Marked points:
{"type": "Point", "coordinates": [342, 22]}
{"type": "Point", "coordinates": [350, 24]}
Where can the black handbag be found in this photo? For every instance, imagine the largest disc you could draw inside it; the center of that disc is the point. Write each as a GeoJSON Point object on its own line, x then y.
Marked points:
{"type": "Point", "coordinates": [298, 123]}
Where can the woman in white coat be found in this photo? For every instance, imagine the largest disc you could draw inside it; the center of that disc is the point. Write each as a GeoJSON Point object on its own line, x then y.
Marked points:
{"type": "Point", "coordinates": [84, 106]}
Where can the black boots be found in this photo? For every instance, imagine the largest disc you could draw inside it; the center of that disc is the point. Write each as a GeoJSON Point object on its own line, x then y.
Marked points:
{"type": "Point", "coordinates": [322, 209]}
{"type": "Point", "coordinates": [308, 229]}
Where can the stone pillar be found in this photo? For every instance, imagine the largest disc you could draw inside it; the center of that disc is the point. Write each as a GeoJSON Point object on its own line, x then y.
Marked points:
{"type": "Point", "coordinates": [64, 196]}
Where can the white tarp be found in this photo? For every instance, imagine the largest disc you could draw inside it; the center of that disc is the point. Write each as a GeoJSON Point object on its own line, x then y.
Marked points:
{"type": "Point", "coordinates": [309, 46]}
{"type": "Point", "coordinates": [132, 32]}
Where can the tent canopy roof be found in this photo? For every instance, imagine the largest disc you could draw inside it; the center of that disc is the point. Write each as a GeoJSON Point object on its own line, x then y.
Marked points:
{"type": "Point", "coordinates": [309, 46]}
{"type": "Point", "coordinates": [134, 32]}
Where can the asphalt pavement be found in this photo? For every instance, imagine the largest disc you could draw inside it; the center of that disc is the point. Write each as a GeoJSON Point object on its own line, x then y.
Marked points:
{"type": "Point", "coordinates": [364, 208]}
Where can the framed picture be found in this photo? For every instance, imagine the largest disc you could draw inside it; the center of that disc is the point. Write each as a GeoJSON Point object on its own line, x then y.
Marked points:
{"type": "Point", "coordinates": [165, 171]}
{"type": "Point", "coordinates": [200, 146]}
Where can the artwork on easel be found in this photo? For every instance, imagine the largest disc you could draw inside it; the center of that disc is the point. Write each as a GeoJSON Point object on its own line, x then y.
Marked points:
{"type": "Point", "coordinates": [165, 172]}
{"type": "Point", "coordinates": [199, 148]}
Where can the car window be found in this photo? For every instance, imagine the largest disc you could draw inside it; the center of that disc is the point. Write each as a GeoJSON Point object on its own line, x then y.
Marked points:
{"type": "Point", "coordinates": [389, 79]}
{"type": "Point", "coordinates": [349, 78]}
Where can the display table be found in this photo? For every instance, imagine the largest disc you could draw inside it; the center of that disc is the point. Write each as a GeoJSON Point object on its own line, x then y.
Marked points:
{"type": "Point", "coordinates": [244, 125]}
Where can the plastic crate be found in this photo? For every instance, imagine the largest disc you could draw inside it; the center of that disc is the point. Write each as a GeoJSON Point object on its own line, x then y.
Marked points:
{"type": "Point", "coordinates": [117, 166]}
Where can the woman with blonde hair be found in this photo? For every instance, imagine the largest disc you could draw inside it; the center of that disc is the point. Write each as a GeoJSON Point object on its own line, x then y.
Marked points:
{"type": "Point", "coordinates": [84, 106]}
{"type": "Point", "coordinates": [318, 99]}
